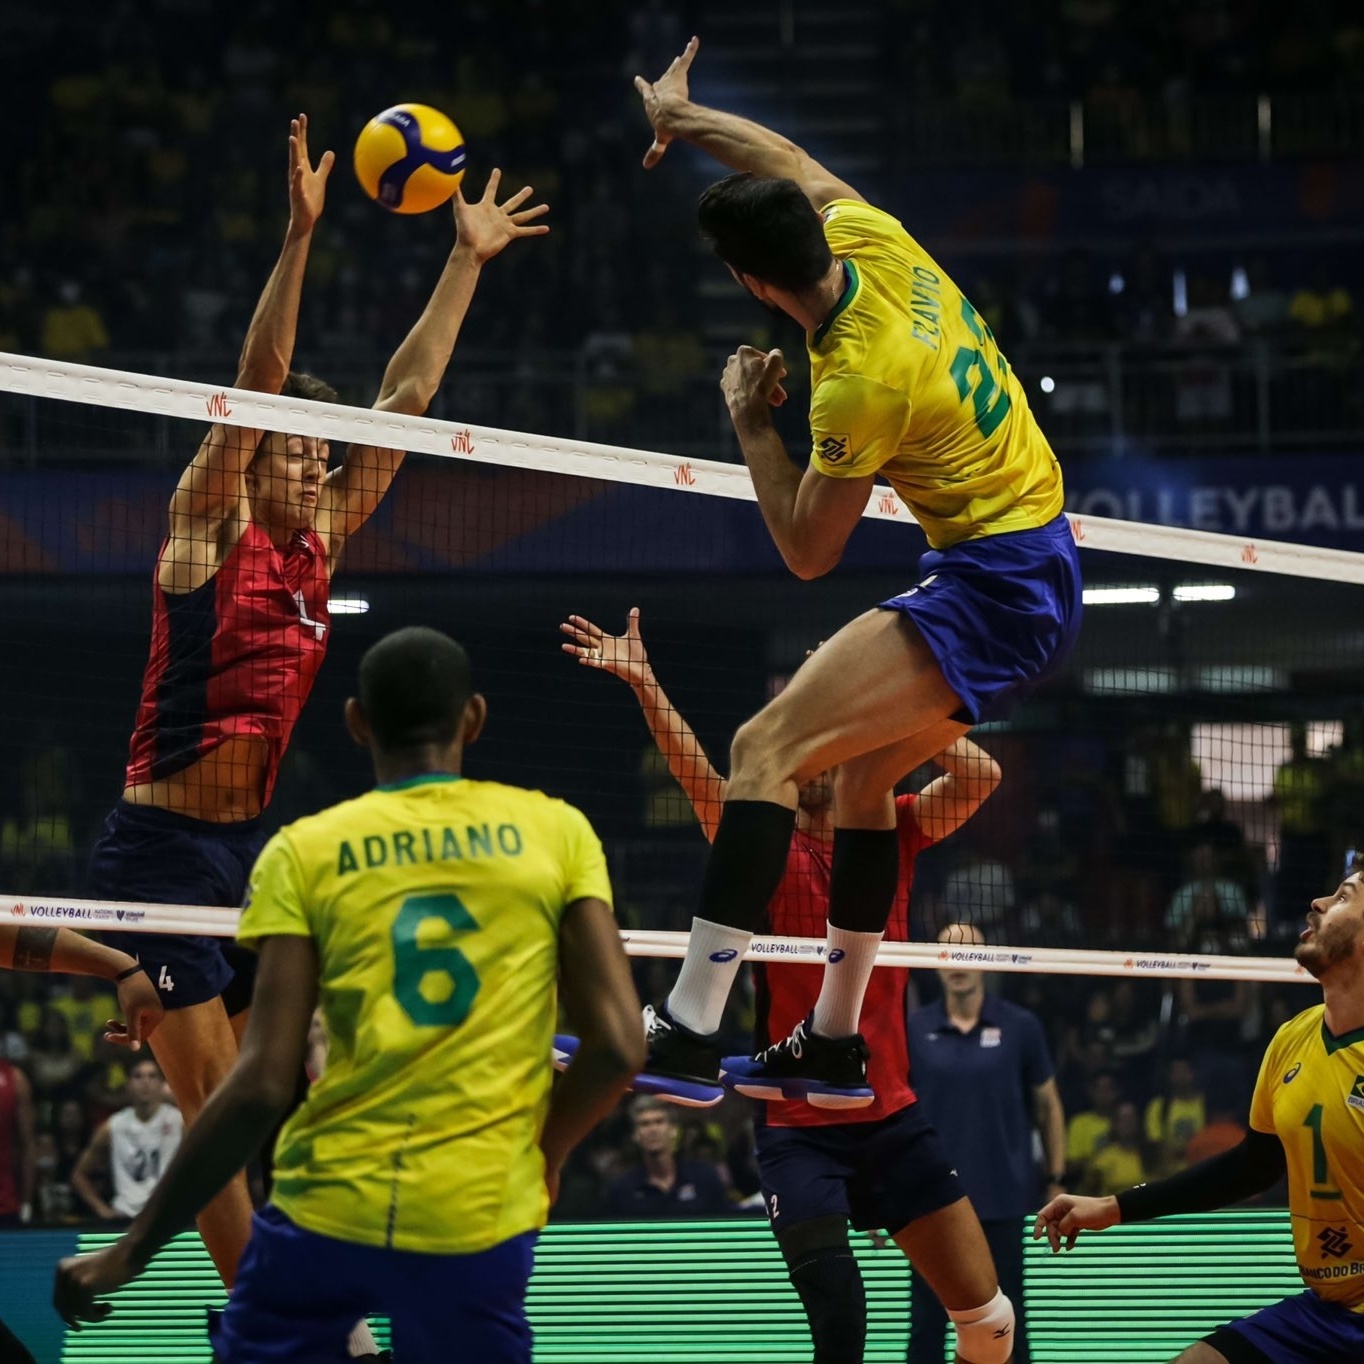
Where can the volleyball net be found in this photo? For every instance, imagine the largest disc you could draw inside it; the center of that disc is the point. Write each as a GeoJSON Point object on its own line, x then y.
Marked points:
{"type": "Point", "coordinates": [1169, 804]}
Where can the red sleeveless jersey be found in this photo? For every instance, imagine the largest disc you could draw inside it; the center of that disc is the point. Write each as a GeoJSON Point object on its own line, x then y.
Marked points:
{"type": "Point", "coordinates": [236, 656]}
{"type": "Point", "coordinates": [787, 992]}
{"type": "Point", "coordinates": [9, 1144]}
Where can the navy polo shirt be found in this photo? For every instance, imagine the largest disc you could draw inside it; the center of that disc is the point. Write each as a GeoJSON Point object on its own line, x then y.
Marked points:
{"type": "Point", "coordinates": [977, 1090]}
{"type": "Point", "coordinates": [696, 1192]}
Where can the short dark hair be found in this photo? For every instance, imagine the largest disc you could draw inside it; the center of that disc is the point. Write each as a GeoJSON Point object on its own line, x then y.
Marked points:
{"type": "Point", "coordinates": [764, 226]}
{"type": "Point", "coordinates": [1356, 864]}
{"type": "Point", "coordinates": [308, 386]}
{"type": "Point", "coordinates": [414, 685]}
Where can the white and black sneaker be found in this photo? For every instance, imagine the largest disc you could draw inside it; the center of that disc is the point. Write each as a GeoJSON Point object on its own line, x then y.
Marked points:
{"type": "Point", "coordinates": [827, 1072]}
{"type": "Point", "coordinates": [682, 1067]}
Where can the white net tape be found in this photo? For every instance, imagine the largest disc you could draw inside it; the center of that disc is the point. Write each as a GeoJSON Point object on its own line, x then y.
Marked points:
{"type": "Point", "coordinates": [212, 922]}
{"type": "Point", "coordinates": [339, 424]}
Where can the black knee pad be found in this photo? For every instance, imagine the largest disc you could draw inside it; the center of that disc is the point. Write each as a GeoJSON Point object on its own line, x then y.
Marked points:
{"type": "Point", "coordinates": [830, 1287]}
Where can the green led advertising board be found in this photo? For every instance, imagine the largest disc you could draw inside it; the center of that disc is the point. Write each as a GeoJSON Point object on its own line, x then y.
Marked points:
{"type": "Point", "coordinates": [684, 1293]}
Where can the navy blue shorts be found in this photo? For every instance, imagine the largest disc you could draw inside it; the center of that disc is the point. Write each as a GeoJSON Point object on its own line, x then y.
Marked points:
{"type": "Point", "coordinates": [879, 1175]}
{"type": "Point", "coordinates": [1303, 1329]}
{"type": "Point", "coordinates": [1001, 614]}
{"type": "Point", "coordinates": [145, 853]}
{"type": "Point", "coordinates": [298, 1295]}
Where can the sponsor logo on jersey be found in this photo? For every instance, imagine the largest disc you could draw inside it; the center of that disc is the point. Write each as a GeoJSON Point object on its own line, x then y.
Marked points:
{"type": "Point", "coordinates": [725, 954]}
{"type": "Point", "coordinates": [1355, 1098]}
{"type": "Point", "coordinates": [1335, 1244]}
{"type": "Point", "coordinates": [833, 448]}
{"type": "Point", "coordinates": [836, 956]}
{"type": "Point", "coordinates": [991, 1037]}
{"type": "Point", "coordinates": [1292, 1073]}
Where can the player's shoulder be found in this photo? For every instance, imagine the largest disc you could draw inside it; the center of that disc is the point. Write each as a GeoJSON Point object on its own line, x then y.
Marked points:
{"type": "Point", "coordinates": [529, 799]}
{"type": "Point", "coordinates": [855, 218]}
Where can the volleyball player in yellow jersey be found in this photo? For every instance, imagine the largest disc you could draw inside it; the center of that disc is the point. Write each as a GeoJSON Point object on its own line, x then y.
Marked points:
{"type": "Point", "coordinates": [907, 383]}
{"type": "Point", "coordinates": [433, 918]}
{"type": "Point", "coordinates": [1307, 1117]}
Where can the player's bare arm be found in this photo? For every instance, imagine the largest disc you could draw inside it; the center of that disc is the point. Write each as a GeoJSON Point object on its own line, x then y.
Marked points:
{"type": "Point", "coordinates": [209, 508]}
{"type": "Point", "coordinates": [483, 229]}
{"type": "Point", "coordinates": [238, 1117]}
{"type": "Point", "coordinates": [599, 998]}
{"type": "Point", "coordinates": [970, 777]}
{"type": "Point", "coordinates": [809, 516]}
{"type": "Point", "coordinates": [624, 656]}
{"type": "Point", "coordinates": [32, 947]}
{"type": "Point", "coordinates": [738, 143]}
{"type": "Point", "coordinates": [90, 1172]}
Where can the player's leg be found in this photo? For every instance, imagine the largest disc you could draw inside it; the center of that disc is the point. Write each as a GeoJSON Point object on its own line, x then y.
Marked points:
{"type": "Point", "coordinates": [823, 1271]}
{"type": "Point", "coordinates": [874, 682]}
{"type": "Point", "coordinates": [927, 1324]}
{"type": "Point", "coordinates": [906, 1181]}
{"type": "Point", "coordinates": [1005, 1239]}
{"type": "Point", "coordinates": [866, 870]}
{"type": "Point", "coordinates": [948, 1248]}
{"type": "Point", "coordinates": [295, 1298]}
{"type": "Point", "coordinates": [1301, 1329]}
{"type": "Point", "coordinates": [804, 1173]}
{"type": "Point", "coordinates": [473, 1307]}
{"type": "Point", "coordinates": [196, 1049]}
{"type": "Point", "coordinates": [1203, 1353]}
{"type": "Point", "coordinates": [825, 1059]}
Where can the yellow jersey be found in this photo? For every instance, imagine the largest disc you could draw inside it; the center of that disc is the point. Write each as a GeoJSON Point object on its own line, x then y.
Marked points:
{"type": "Point", "coordinates": [1310, 1094]}
{"type": "Point", "coordinates": [906, 381]}
{"type": "Point", "coordinates": [435, 905]}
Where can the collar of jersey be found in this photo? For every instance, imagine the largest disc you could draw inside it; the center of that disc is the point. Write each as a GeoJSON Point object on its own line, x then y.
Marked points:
{"type": "Point", "coordinates": [420, 780]}
{"type": "Point", "coordinates": [854, 283]}
{"type": "Point", "coordinates": [1346, 1039]}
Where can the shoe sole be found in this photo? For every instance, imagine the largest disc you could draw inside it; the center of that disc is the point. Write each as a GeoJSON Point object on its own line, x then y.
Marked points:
{"type": "Point", "coordinates": [813, 1092]}
{"type": "Point", "coordinates": [685, 1092]}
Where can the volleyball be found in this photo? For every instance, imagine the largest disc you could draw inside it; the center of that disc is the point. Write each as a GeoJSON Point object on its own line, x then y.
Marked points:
{"type": "Point", "coordinates": [410, 158]}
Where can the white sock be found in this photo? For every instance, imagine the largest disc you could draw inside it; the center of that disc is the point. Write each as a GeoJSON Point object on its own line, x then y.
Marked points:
{"type": "Point", "coordinates": [845, 981]}
{"type": "Point", "coordinates": [361, 1340]}
{"type": "Point", "coordinates": [714, 954]}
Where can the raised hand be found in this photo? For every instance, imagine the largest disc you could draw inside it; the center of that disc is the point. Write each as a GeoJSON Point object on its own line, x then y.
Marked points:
{"type": "Point", "coordinates": [752, 381]}
{"type": "Point", "coordinates": [307, 185]}
{"type": "Point", "coordinates": [485, 226]}
{"type": "Point", "coordinates": [623, 656]}
{"type": "Point", "coordinates": [1069, 1214]}
{"type": "Point", "coordinates": [664, 100]}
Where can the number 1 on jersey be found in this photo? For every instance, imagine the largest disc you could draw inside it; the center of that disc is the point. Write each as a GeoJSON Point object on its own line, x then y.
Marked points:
{"type": "Point", "coordinates": [1321, 1170]}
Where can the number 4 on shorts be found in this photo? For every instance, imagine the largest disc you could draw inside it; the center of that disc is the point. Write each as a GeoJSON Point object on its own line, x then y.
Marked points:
{"type": "Point", "coordinates": [164, 982]}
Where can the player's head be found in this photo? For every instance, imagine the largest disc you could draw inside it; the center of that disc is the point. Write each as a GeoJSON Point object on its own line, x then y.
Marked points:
{"type": "Point", "coordinates": [417, 706]}
{"type": "Point", "coordinates": [957, 981]}
{"type": "Point", "coordinates": [653, 1125]}
{"type": "Point", "coordinates": [817, 794]}
{"type": "Point", "coordinates": [1333, 941]}
{"type": "Point", "coordinates": [284, 479]}
{"type": "Point", "coordinates": [768, 233]}
{"type": "Point", "coordinates": [145, 1085]}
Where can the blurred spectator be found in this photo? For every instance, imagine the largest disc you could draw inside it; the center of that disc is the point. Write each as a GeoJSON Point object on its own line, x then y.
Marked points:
{"type": "Point", "coordinates": [13, 1047]}
{"type": "Point", "coordinates": [1203, 385]}
{"type": "Point", "coordinates": [86, 1004]}
{"type": "Point", "coordinates": [130, 1151]}
{"type": "Point", "coordinates": [1344, 801]}
{"type": "Point", "coordinates": [1217, 1018]}
{"type": "Point", "coordinates": [1299, 799]}
{"type": "Point", "coordinates": [72, 329]}
{"type": "Point", "coordinates": [53, 1062]}
{"type": "Point", "coordinates": [1174, 1116]}
{"type": "Point", "coordinates": [1117, 1163]}
{"type": "Point", "coordinates": [1206, 903]}
{"type": "Point", "coordinates": [664, 1185]}
{"type": "Point", "coordinates": [1088, 1130]}
{"type": "Point", "coordinates": [1134, 1029]}
{"type": "Point", "coordinates": [1224, 1130]}
{"type": "Point", "coordinates": [980, 890]}
{"type": "Point", "coordinates": [1144, 304]}
{"type": "Point", "coordinates": [18, 1170]}
{"type": "Point", "coordinates": [1322, 309]}
{"type": "Point", "coordinates": [1263, 312]}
